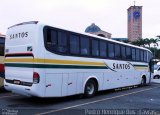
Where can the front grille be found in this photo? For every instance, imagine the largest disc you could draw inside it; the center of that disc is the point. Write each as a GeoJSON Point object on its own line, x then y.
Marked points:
{"type": "Point", "coordinates": [21, 82]}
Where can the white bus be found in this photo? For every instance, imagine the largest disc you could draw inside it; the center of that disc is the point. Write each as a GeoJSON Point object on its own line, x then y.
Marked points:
{"type": "Point", "coordinates": [2, 42]}
{"type": "Point", "coordinates": [46, 61]}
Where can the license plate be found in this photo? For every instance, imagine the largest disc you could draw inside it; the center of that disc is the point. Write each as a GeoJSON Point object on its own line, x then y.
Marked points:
{"type": "Point", "coordinates": [16, 82]}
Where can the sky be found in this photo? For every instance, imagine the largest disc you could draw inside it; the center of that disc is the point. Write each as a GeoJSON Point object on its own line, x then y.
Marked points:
{"type": "Point", "coordinates": [109, 15]}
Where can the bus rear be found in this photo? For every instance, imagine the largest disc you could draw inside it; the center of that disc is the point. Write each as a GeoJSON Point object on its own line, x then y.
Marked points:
{"type": "Point", "coordinates": [2, 41]}
{"type": "Point", "coordinates": [1, 71]}
{"type": "Point", "coordinates": [21, 40]}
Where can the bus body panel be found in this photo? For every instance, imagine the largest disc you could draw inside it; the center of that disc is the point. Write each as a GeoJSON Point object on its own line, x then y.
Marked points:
{"type": "Point", "coordinates": [35, 90]}
{"type": "Point", "coordinates": [53, 85]}
{"type": "Point", "coordinates": [64, 84]}
{"type": "Point", "coordinates": [72, 83]}
{"type": "Point", "coordinates": [22, 74]}
{"type": "Point", "coordinates": [80, 82]}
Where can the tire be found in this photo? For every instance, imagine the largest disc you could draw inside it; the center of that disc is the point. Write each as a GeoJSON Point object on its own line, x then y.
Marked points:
{"type": "Point", "coordinates": [143, 81]}
{"type": "Point", "coordinates": [156, 77]}
{"type": "Point", "coordinates": [90, 88]}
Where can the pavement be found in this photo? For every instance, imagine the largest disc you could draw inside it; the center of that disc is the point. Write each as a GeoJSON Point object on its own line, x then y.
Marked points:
{"type": "Point", "coordinates": [128, 101]}
{"type": "Point", "coordinates": [155, 80]}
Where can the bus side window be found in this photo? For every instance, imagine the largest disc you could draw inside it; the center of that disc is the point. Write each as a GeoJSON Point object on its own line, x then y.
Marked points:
{"type": "Point", "coordinates": [123, 52]}
{"type": "Point", "coordinates": [133, 54]}
{"type": "Point", "coordinates": [128, 53]}
{"type": "Point", "coordinates": [62, 42]}
{"type": "Point", "coordinates": [117, 51]}
{"type": "Point", "coordinates": [1, 49]}
{"type": "Point", "coordinates": [74, 44]}
{"type": "Point", "coordinates": [95, 48]}
{"type": "Point", "coordinates": [137, 55]}
{"type": "Point", "coordinates": [51, 41]}
{"type": "Point", "coordinates": [145, 56]}
{"type": "Point", "coordinates": [2, 42]}
{"type": "Point", "coordinates": [52, 37]}
{"type": "Point", "coordinates": [85, 46]}
{"type": "Point", "coordinates": [141, 54]}
{"type": "Point", "coordinates": [103, 49]}
{"type": "Point", "coordinates": [110, 50]}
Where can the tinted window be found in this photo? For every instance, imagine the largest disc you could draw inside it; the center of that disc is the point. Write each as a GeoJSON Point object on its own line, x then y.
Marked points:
{"type": "Point", "coordinates": [103, 49]}
{"type": "Point", "coordinates": [62, 42]}
{"type": "Point", "coordinates": [117, 51]}
{"type": "Point", "coordinates": [123, 52]}
{"type": "Point", "coordinates": [111, 50]}
{"type": "Point", "coordinates": [51, 40]}
{"type": "Point", "coordinates": [1, 49]}
{"type": "Point", "coordinates": [2, 40]}
{"type": "Point", "coordinates": [52, 37]}
{"type": "Point", "coordinates": [85, 50]}
{"type": "Point", "coordinates": [95, 48]}
{"type": "Point", "coordinates": [133, 54]}
{"type": "Point", "coordinates": [141, 55]}
{"type": "Point", "coordinates": [74, 44]}
{"type": "Point", "coordinates": [137, 55]}
{"type": "Point", "coordinates": [145, 56]}
{"type": "Point", "coordinates": [128, 53]}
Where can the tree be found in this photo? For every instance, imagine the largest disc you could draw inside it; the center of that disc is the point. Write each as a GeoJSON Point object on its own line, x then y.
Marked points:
{"type": "Point", "coordinates": [139, 42]}
{"type": "Point", "coordinates": [147, 42]}
{"type": "Point", "coordinates": [154, 41]}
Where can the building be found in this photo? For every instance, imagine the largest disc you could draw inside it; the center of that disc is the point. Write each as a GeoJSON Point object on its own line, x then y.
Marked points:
{"type": "Point", "coordinates": [134, 22]}
{"type": "Point", "coordinates": [94, 29]}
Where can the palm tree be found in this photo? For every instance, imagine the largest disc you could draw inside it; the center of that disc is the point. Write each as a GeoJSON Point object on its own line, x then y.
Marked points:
{"type": "Point", "coordinates": [154, 41]}
{"type": "Point", "coordinates": [158, 37]}
{"type": "Point", "coordinates": [147, 42]}
{"type": "Point", "coordinates": [139, 42]}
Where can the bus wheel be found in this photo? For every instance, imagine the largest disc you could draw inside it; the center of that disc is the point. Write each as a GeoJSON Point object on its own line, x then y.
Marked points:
{"type": "Point", "coordinates": [143, 81]}
{"type": "Point", "coordinates": [90, 88]}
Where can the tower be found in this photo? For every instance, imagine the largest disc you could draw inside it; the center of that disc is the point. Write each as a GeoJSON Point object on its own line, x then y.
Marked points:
{"type": "Point", "coordinates": [134, 22]}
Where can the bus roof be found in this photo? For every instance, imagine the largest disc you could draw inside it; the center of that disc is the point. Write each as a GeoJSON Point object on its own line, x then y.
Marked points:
{"type": "Point", "coordinates": [23, 23]}
{"type": "Point", "coordinates": [83, 33]}
{"type": "Point", "coordinates": [103, 38]}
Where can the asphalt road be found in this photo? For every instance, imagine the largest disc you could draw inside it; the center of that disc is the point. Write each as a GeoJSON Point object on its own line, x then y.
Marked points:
{"type": "Point", "coordinates": [129, 101]}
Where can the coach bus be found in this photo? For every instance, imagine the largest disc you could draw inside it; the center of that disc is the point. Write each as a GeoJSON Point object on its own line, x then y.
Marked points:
{"type": "Point", "coordinates": [46, 61]}
{"type": "Point", "coordinates": [2, 42]}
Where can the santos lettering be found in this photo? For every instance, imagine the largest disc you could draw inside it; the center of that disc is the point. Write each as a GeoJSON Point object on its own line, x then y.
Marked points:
{"type": "Point", "coordinates": [19, 35]}
{"type": "Point", "coordinates": [121, 66]}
